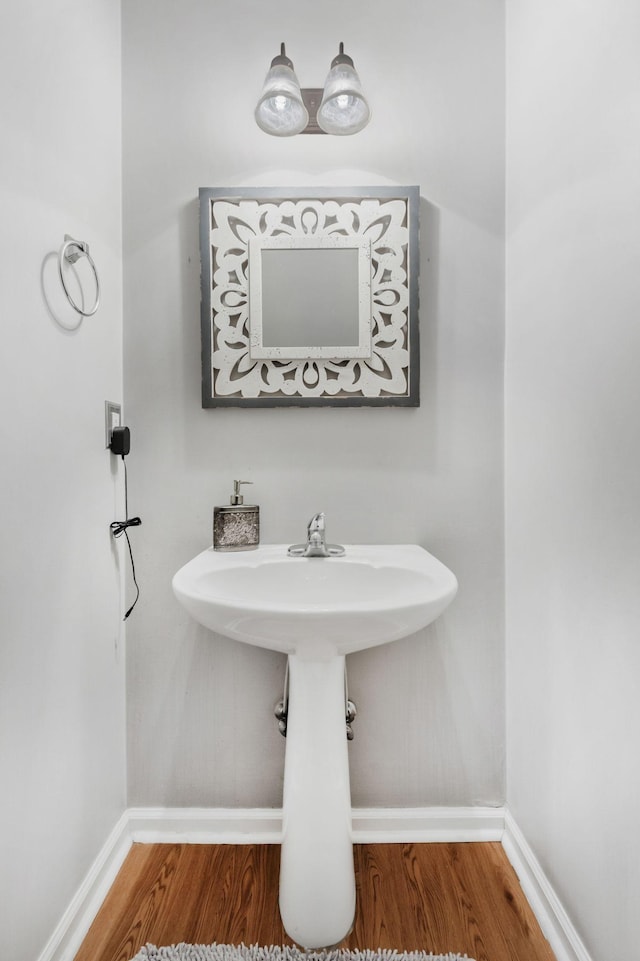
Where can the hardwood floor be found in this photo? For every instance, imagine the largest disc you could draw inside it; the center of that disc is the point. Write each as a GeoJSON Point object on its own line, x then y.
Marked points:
{"type": "Point", "coordinates": [461, 898]}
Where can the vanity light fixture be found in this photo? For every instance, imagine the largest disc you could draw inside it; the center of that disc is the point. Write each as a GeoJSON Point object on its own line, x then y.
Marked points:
{"type": "Point", "coordinates": [344, 108]}
{"type": "Point", "coordinates": [280, 109]}
{"type": "Point", "coordinates": [340, 108]}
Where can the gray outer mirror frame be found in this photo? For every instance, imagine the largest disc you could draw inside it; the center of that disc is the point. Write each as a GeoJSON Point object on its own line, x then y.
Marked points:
{"type": "Point", "coordinates": [386, 219]}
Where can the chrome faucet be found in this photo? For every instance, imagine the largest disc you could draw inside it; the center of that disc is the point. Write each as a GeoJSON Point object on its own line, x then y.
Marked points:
{"type": "Point", "coordinates": [316, 545]}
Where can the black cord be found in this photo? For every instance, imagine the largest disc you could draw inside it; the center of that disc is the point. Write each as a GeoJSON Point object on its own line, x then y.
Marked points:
{"type": "Point", "coordinates": [118, 528]}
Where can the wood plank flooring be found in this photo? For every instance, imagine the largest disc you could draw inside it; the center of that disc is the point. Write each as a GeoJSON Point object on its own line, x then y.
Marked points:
{"type": "Point", "coordinates": [461, 898]}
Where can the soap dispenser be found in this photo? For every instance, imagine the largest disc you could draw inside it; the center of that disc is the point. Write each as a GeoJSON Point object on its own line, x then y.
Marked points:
{"type": "Point", "coordinates": [236, 527]}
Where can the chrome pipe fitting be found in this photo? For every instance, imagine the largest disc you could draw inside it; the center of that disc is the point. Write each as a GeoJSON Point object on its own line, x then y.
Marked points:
{"type": "Point", "coordinates": [281, 708]}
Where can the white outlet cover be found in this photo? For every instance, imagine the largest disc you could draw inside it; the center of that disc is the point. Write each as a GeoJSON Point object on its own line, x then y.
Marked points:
{"type": "Point", "coordinates": [112, 418]}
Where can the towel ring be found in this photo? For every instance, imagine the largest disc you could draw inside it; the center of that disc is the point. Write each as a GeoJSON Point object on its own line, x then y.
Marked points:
{"type": "Point", "coordinates": [80, 249]}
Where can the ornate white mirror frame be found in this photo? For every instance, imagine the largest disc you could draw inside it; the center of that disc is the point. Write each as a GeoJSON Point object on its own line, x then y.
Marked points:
{"type": "Point", "coordinates": [378, 367]}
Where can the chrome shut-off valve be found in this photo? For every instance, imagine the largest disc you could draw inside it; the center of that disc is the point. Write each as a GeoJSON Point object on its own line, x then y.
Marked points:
{"type": "Point", "coordinates": [280, 713]}
{"type": "Point", "coordinates": [351, 716]}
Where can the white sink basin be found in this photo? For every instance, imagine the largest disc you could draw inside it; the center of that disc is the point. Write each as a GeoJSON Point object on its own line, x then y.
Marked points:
{"type": "Point", "coordinates": [316, 610]}
{"type": "Point", "coordinates": [316, 606]}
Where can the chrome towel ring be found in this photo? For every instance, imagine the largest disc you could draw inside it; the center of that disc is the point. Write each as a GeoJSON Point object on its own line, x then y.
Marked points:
{"type": "Point", "coordinates": [71, 251]}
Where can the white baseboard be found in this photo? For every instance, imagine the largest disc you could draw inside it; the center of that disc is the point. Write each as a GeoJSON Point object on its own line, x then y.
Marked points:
{"type": "Point", "coordinates": [264, 826]}
{"type": "Point", "coordinates": [545, 904]}
{"type": "Point", "coordinates": [205, 825]}
{"type": "Point", "coordinates": [64, 943]}
{"type": "Point", "coordinates": [427, 825]}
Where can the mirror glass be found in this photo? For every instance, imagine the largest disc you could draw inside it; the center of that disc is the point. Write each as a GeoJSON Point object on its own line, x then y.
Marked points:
{"type": "Point", "coordinates": [326, 279]}
{"type": "Point", "coordinates": [309, 297]}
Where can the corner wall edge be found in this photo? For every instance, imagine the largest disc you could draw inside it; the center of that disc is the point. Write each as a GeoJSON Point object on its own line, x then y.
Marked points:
{"type": "Point", "coordinates": [554, 921]}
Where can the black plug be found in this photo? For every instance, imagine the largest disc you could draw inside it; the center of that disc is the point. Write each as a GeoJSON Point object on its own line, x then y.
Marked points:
{"type": "Point", "coordinates": [120, 441]}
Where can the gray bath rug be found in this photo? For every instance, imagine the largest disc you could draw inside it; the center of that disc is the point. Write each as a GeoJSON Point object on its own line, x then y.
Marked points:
{"type": "Point", "coordinates": [240, 952]}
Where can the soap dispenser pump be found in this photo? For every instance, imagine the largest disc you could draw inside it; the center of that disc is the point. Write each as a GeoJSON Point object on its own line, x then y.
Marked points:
{"type": "Point", "coordinates": [236, 527]}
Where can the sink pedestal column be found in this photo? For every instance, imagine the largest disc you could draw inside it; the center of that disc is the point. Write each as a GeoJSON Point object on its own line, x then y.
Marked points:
{"type": "Point", "coordinates": [317, 878]}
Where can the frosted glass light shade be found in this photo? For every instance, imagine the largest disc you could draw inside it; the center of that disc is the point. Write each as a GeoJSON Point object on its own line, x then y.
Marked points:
{"type": "Point", "coordinates": [280, 110]}
{"type": "Point", "coordinates": [344, 109]}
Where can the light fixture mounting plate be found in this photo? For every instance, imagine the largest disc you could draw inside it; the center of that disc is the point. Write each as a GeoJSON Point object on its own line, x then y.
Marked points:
{"type": "Point", "coordinates": [312, 98]}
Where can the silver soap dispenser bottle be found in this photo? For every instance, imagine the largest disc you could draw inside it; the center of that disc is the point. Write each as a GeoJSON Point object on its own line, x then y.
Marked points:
{"type": "Point", "coordinates": [236, 527]}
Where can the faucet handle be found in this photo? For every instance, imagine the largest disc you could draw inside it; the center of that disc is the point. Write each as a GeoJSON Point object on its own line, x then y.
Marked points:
{"type": "Point", "coordinates": [316, 523]}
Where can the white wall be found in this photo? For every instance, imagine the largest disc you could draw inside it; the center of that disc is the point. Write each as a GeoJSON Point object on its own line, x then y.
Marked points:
{"type": "Point", "coordinates": [61, 661]}
{"type": "Point", "coordinates": [431, 723]}
{"type": "Point", "coordinates": [573, 455]}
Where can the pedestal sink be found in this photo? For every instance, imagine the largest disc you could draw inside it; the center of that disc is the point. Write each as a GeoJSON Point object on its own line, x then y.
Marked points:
{"type": "Point", "coordinates": [316, 610]}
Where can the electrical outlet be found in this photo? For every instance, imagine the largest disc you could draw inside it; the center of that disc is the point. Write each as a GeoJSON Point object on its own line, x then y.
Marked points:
{"type": "Point", "coordinates": [112, 418]}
